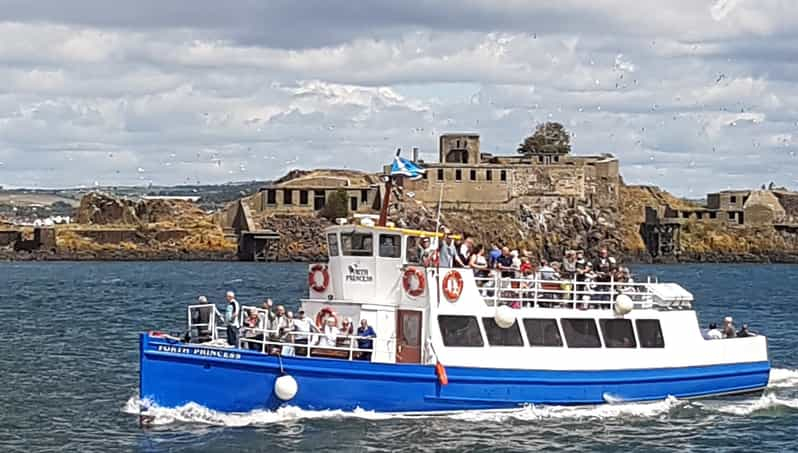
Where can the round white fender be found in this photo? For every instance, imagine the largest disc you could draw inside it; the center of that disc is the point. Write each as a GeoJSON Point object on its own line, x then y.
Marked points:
{"type": "Point", "coordinates": [623, 304]}
{"type": "Point", "coordinates": [504, 316]}
{"type": "Point", "coordinates": [285, 387]}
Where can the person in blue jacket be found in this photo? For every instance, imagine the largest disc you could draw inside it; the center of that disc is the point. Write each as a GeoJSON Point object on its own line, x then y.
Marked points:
{"type": "Point", "coordinates": [368, 333]}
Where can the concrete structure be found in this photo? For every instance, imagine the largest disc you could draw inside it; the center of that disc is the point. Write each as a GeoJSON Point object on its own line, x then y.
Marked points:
{"type": "Point", "coordinates": [306, 192]}
{"type": "Point", "coordinates": [738, 207]}
{"type": "Point", "coordinates": [472, 180]}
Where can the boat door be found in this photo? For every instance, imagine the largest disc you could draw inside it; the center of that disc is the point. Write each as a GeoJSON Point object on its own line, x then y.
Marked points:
{"type": "Point", "coordinates": [408, 336]}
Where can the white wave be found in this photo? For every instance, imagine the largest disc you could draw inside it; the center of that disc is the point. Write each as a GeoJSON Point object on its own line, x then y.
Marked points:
{"type": "Point", "coordinates": [747, 407]}
{"type": "Point", "coordinates": [783, 378]}
{"type": "Point", "coordinates": [109, 281]}
{"type": "Point", "coordinates": [194, 413]}
{"type": "Point", "coordinates": [235, 280]}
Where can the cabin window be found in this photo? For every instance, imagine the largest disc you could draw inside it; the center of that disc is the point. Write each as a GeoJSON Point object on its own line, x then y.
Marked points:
{"type": "Point", "coordinates": [649, 333]}
{"type": "Point", "coordinates": [618, 333]}
{"type": "Point", "coordinates": [332, 244]}
{"type": "Point", "coordinates": [390, 246]}
{"type": "Point", "coordinates": [489, 175]}
{"type": "Point", "coordinates": [503, 175]}
{"type": "Point", "coordinates": [581, 333]}
{"type": "Point", "coordinates": [288, 196]}
{"type": "Point", "coordinates": [303, 197]}
{"type": "Point", "coordinates": [460, 331]}
{"type": "Point", "coordinates": [357, 244]}
{"type": "Point", "coordinates": [497, 336]}
{"type": "Point", "coordinates": [271, 196]}
{"type": "Point", "coordinates": [542, 332]}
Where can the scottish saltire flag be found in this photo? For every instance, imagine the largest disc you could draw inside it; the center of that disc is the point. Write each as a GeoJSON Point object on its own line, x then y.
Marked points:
{"type": "Point", "coordinates": [404, 167]}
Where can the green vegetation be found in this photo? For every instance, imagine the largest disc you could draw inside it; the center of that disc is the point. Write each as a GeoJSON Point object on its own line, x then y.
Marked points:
{"type": "Point", "coordinates": [549, 138]}
{"type": "Point", "coordinates": [337, 205]}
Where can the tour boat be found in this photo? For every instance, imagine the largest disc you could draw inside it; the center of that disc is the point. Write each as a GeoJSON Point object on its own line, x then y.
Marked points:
{"type": "Point", "coordinates": [447, 341]}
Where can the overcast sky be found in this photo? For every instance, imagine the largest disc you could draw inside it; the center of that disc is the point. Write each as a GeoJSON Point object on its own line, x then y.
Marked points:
{"type": "Point", "coordinates": [691, 95]}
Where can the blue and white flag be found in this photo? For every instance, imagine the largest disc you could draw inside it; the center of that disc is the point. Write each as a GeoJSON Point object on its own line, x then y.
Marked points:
{"type": "Point", "coordinates": [404, 167]}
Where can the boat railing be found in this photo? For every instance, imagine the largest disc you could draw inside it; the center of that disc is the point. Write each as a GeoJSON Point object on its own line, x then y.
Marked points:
{"type": "Point", "coordinates": [306, 344]}
{"type": "Point", "coordinates": [537, 291]}
{"type": "Point", "coordinates": [204, 322]}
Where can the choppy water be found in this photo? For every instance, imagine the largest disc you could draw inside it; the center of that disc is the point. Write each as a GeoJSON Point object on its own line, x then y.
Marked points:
{"type": "Point", "coordinates": [69, 364]}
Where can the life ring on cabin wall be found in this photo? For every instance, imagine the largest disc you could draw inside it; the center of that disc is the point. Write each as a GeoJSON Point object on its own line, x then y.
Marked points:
{"type": "Point", "coordinates": [407, 281]}
{"type": "Point", "coordinates": [452, 286]}
{"type": "Point", "coordinates": [313, 282]}
{"type": "Point", "coordinates": [323, 314]}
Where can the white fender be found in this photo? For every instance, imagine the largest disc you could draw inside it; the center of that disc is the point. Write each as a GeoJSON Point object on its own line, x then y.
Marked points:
{"type": "Point", "coordinates": [285, 387]}
{"type": "Point", "coordinates": [504, 316]}
{"type": "Point", "coordinates": [623, 304]}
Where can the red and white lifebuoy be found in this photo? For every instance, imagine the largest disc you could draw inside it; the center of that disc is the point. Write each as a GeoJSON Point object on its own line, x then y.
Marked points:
{"type": "Point", "coordinates": [452, 285]}
{"type": "Point", "coordinates": [413, 282]}
{"type": "Point", "coordinates": [313, 278]}
{"type": "Point", "coordinates": [322, 316]}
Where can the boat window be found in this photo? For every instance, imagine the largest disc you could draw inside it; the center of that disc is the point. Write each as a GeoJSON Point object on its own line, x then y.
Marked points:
{"type": "Point", "coordinates": [390, 246]}
{"type": "Point", "coordinates": [497, 336]}
{"type": "Point", "coordinates": [542, 332]}
{"type": "Point", "coordinates": [414, 253]}
{"type": "Point", "coordinates": [357, 244]}
{"type": "Point", "coordinates": [460, 331]}
{"type": "Point", "coordinates": [581, 333]}
{"type": "Point", "coordinates": [649, 333]}
{"type": "Point", "coordinates": [618, 333]}
{"type": "Point", "coordinates": [332, 244]}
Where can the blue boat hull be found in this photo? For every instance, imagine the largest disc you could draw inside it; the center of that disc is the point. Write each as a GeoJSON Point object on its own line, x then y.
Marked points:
{"type": "Point", "coordinates": [173, 374]}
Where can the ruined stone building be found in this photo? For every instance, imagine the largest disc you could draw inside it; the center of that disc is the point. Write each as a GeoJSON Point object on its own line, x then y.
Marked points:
{"type": "Point", "coordinates": [473, 180]}
{"type": "Point", "coordinates": [738, 207]}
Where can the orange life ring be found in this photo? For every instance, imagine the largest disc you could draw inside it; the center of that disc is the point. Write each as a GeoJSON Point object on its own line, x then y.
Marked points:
{"type": "Point", "coordinates": [313, 283]}
{"type": "Point", "coordinates": [452, 285]}
{"type": "Point", "coordinates": [407, 281]}
{"type": "Point", "coordinates": [324, 313]}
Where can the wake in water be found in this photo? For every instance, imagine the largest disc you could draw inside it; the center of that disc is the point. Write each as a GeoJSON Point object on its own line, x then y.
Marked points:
{"type": "Point", "coordinates": [194, 413]}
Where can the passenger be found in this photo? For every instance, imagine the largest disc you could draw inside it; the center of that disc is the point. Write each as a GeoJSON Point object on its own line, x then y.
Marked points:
{"type": "Point", "coordinates": [345, 332]}
{"type": "Point", "coordinates": [604, 267]}
{"type": "Point", "coordinates": [253, 325]}
{"type": "Point", "coordinates": [365, 334]}
{"type": "Point", "coordinates": [744, 332]}
{"type": "Point", "coordinates": [465, 251]}
{"type": "Point", "coordinates": [231, 317]}
{"type": "Point", "coordinates": [479, 264]}
{"type": "Point", "coordinates": [424, 251]}
{"type": "Point", "coordinates": [267, 315]}
{"type": "Point", "coordinates": [516, 264]}
{"type": "Point", "coordinates": [303, 327]}
{"type": "Point", "coordinates": [329, 334]}
{"type": "Point", "coordinates": [447, 252]}
{"type": "Point", "coordinates": [504, 263]}
{"type": "Point", "coordinates": [728, 328]}
{"type": "Point", "coordinates": [288, 336]}
{"type": "Point", "coordinates": [280, 324]}
{"type": "Point", "coordinates": [493, 256]}
{"type": "Point", "coordinates": [569, 265]}
{"type": "Point", "coordinates": [713, 333]}
{"type": "Point", "coordinates": [202, 316]}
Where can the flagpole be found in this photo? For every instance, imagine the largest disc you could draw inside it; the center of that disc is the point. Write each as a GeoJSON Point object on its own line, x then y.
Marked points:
{"type": "Point", "coordinates": [386, 197]}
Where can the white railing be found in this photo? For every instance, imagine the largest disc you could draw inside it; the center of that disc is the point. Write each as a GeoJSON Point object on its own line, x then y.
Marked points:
{"type": "Point", "coordinates": [539, 292]}
{"type": "Point", "coordinates": [205, 320]}
{"type": "Point", "coordinates": [298, 343]}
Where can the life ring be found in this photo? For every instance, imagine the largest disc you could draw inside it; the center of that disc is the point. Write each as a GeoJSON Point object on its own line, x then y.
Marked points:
{"type": "Point", "coordinates": [324, 313]}
{"type": "Point", "coordinates": [452, 285]}
{"type": "Point", "coordinates": [407, 282]}
{"type": "Point", "coordinates": [313, 282]}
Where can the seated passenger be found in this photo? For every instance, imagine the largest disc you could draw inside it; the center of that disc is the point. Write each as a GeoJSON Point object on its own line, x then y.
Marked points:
{"type": "Point", "coordinates": [728, 328]}
{"type": "Point", "coordinates": [744, 332]}
{"type": "Point", "coordinates": [329, 334]}
{"type": "Point", "coordinates": [713, 333]}
{"type": "Point", "coordinates": [365, 332]}
{"type": "Point", "coordinates": [253, 329]}
{"type": "Point", "coordinates": [347, 329]}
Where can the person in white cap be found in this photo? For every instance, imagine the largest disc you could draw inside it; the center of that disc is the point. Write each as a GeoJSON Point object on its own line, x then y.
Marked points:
{"type": "Point", "coordinates": [231, 317]}
{"type": "Point", "coordinates": [728, 328]}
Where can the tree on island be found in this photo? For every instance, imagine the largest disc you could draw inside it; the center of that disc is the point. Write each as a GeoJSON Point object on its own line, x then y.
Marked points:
{"type": "Point", "coordinates": [337, 205]}
{"type": "Point", "coordinates": [549, 138]}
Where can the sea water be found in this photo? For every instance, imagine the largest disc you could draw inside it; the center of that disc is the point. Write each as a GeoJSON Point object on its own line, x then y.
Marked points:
{"type": "Point", "coordinates": [69, 370]}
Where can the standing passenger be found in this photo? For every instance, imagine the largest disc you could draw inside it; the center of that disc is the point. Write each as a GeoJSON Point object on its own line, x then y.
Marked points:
{"type": "Point", "coordinates": [231, 318]}
{"type": "Point", "coordinates": [366, 333]}
{"type": "Point", "coordinates": [447, 249]}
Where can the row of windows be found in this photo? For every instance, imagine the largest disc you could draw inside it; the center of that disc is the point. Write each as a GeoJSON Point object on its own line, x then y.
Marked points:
{"type": "Point", "coordinates": [472, 175]}
{"type": "Point", "coordinates": [288, 196]}
{"type": "Point", "coordinates": [361, 244]}
{"type": "Point", "coordinates": [464, 331]}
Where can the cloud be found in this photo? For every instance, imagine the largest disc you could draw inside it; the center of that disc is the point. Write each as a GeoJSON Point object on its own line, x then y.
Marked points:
{"type": "Point", "coordinates": [696, 97]}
